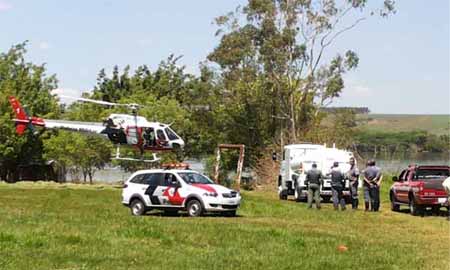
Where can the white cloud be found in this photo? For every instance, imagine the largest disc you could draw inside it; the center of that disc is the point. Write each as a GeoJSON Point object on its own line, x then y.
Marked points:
{"type": "Point", "coordinates": [4, 6]}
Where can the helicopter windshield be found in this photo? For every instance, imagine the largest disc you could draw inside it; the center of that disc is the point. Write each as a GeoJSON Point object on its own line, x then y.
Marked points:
{"type": "Point", "coordinates": [171, 134]}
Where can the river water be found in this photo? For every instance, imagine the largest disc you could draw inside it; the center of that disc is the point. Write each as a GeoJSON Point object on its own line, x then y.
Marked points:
{"type": "Point", "coordinates": [116, 174]}
{"type": "Point", "coordinates": [389, 165]}
{"type": "Point", "coordinates": [397, 163]}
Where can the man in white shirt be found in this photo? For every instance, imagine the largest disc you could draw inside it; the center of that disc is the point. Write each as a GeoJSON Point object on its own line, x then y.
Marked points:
{"type": "Point", "coordinates": [446, 185]}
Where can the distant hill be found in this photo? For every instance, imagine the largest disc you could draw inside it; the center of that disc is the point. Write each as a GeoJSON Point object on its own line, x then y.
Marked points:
{"type": "Point", "coordinates": [357, 110]}
{"type": "Point", "coordinates": [435, 124]}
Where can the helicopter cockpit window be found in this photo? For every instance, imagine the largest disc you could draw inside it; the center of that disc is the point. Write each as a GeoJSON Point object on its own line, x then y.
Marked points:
{"type": "Point", "coordinates": [160, 135]}
{"type": "Point", "coordinates": [171, 134]}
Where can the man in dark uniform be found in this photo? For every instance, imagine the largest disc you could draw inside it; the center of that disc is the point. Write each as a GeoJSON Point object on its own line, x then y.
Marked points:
{"type": "Point", "coordinates": [372, 180]}
{"type": "Point", "coordinates": [353, 176]}
{"type": "Point", "coordinates": [313, 181]}
{"type": "Point", "coordinates": [149, 137]}
{"type": "Point", "coordinates": [337, 186]}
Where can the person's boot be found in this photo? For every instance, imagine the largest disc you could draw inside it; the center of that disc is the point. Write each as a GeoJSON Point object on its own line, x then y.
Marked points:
{"type": "Point", "coordinates": [377, 207]}
{"type": "Point", "coordinates": [366, 205]}
{"type": "Point", "coordinates": [353, 204]}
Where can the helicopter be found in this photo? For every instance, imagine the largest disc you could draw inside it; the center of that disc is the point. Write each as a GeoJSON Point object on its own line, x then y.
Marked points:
{"type": "Point", "coordinates": [121, 129]}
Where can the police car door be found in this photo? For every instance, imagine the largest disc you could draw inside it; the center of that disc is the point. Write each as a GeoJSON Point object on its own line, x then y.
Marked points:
{"type": "Point", "coordinates": [171, 192]}
{"type": "Point", "coordinates": [155, 188]}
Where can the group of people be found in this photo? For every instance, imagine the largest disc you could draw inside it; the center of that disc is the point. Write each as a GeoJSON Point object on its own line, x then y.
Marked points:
{"type": "Point", "coordinates": [372, 178]}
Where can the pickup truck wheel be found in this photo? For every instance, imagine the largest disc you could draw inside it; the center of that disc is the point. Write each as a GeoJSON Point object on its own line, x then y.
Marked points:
{"type": "Point", "coordinates": [394, 206]}
{"type": "Point", "coordinates": [137, 207]}
{"type": "Point", "coordinates": [414, 209]}
{"type": "Point", "coordinates": [436, 210]}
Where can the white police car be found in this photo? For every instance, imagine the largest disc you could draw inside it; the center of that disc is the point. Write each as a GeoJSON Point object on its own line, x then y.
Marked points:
{"type": "Point", "coordinates": [173, 190]}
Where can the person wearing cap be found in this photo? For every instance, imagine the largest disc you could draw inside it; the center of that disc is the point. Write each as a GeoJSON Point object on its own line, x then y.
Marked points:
{"type": "Point", "coordinates": [353, 176]}
{"type": "Point", "coordinates": [313, 181]}
{"type": "Point", "coordinates": [372, 182]}
{"type": "Point", "coordinates": [337, 186]}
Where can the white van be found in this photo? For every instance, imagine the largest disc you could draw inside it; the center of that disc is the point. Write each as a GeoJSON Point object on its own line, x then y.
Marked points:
{"type": "Point", "coordinates": [298, 159]}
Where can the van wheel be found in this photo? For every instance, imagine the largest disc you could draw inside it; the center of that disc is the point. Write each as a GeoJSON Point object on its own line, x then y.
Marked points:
{"type": "Point", "coordinates": [297, 194]}
{"type": "Point", "coordinates": [283, 195]}
{"type": "Point", "coordinates": [194, 208]}
{"type": "Point", "coordinates": [137, 207]}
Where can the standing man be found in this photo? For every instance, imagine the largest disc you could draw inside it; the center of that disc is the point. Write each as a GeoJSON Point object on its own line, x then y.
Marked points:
{"type": "Point", "coordinates": [446, 185]}
{"type": "Point", "coordinates": [353, 176]}
{"type": "Point", "coordinates": [372, 180]}
{"type": "Point", "coordinates": [337, 186]}
{"type": "Point", "coordinates": [313, 181]}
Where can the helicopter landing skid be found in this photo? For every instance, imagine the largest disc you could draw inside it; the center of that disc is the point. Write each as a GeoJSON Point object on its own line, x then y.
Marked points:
{"type": "Point", "coordinates": [117, 157]}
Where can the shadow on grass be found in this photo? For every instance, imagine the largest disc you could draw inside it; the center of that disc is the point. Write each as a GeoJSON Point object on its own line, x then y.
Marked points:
{"type": "Point", "coordinates": [159, 213]}
{"type": "Point", "coordinates": [426, 213]}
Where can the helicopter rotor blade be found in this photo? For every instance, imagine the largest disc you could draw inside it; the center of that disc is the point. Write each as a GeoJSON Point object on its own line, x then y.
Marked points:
{"type": "Point", "coordinates": [101, 102]}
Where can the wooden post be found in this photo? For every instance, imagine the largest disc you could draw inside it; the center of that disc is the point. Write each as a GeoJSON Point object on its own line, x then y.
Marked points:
{"type": "Point", "coordinates": [217, 167]}
{"type": "Point", "coordinates": [240, 164]}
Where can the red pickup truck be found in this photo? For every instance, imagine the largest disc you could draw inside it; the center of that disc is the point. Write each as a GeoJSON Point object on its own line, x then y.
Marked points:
{"type": "Point", "coordinates": [420, 187]}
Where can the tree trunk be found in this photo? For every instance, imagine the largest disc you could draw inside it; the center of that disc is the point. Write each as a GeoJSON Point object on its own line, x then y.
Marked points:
{"type": "Point", "coordinates": [293, 131]}
{"type": "Point", "coordinates": [90, 177]}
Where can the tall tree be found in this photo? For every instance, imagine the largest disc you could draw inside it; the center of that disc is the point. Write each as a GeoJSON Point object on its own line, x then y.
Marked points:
{"type": "Point", "coordinates": [31, 85]}
{"type": "Point", "coordinates": [272, 59]}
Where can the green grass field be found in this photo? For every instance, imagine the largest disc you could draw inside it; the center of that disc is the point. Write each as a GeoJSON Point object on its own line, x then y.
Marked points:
{"type": "Point", "coordinates": [435, 124]}
{"type": "Point", "coordinates": [51, 226]}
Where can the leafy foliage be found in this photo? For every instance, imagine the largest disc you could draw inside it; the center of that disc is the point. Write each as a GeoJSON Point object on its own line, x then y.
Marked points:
{"type": "Point", "coordinates": [32, 86]}
{"type": "Point", "coordinates": [77, 153]}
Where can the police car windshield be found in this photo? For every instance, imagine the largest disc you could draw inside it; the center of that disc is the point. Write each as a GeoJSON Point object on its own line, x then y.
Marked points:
{"type": "Point", "coordinates": [194, 178]}
{"type": "Point", "coordinates": [171, 134]}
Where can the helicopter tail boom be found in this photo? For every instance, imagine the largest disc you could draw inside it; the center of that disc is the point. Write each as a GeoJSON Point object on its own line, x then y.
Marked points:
{"type": "Point", "coordinates": [23, 120]}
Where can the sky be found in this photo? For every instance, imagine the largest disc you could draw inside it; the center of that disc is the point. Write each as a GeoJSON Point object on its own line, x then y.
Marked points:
{"type": "Point", "coordinates": [404, 60]}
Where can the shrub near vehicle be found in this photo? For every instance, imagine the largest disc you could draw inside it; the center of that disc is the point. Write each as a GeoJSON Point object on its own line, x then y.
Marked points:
{"type": "Point", "coordinates": [175, 190]}
{"type": "Point", "coordinates": [420, 187]}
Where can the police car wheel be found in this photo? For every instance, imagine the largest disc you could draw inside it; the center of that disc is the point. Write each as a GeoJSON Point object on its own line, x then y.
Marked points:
{"type": "Point", "coordinates": [137, 207]}
{"type": "Point", "coordinates": [194, 208]}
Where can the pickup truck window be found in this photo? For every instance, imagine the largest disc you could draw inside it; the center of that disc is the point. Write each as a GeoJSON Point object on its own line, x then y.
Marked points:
{"type": "Point", "coordinates": [430, 175]}
{"type": "Point", "coordinates": [402, 176]}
